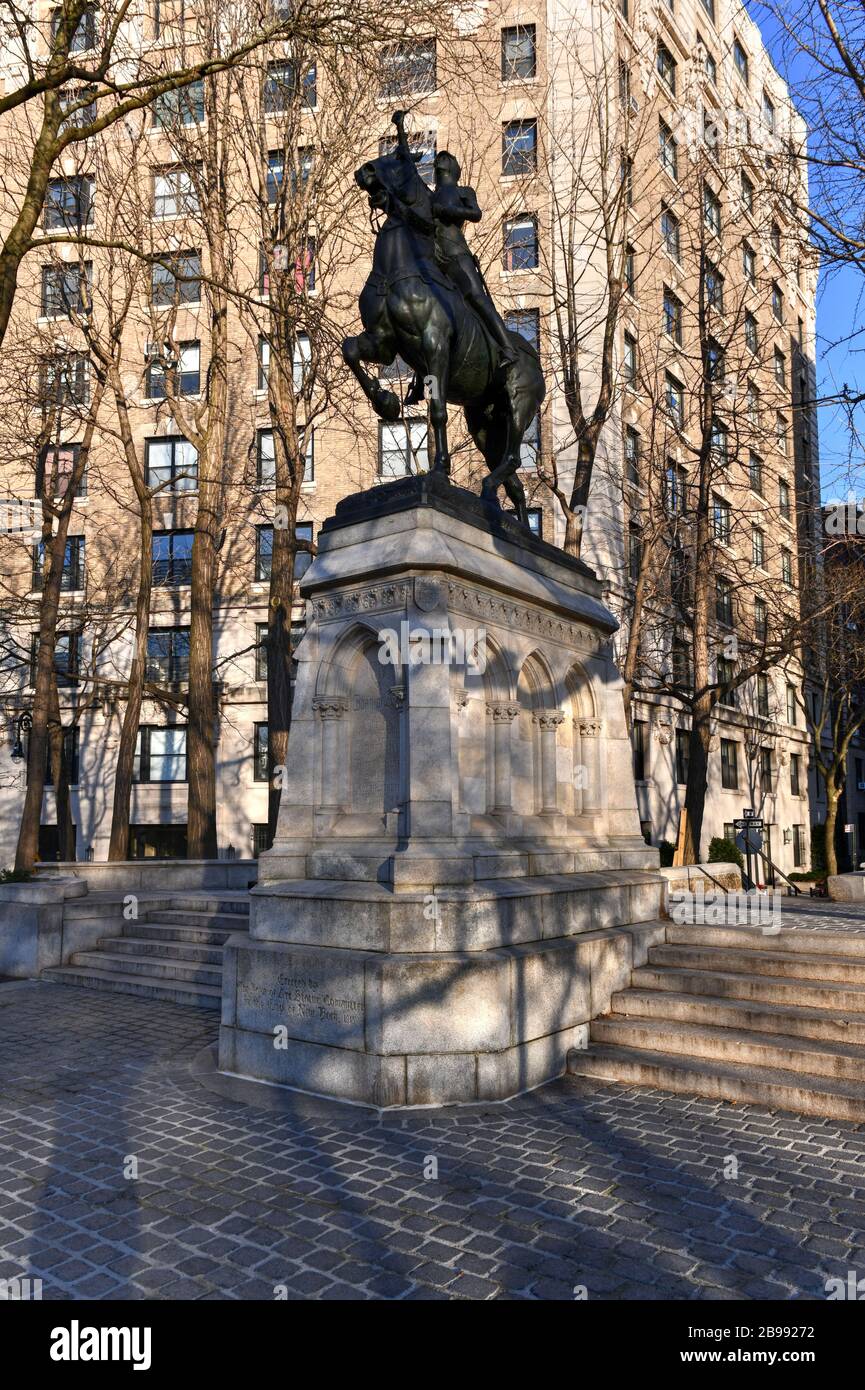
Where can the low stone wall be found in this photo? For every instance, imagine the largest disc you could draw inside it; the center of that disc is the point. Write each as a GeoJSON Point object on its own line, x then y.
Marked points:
{"type": "Point", "coordinates": [846, 888]}
{"type": "Point", "coordinates": [31, 925]}
{"type": "Point", "coordinates": [686, 878]}
{"type": "Point", "coordinates": [156, 875]}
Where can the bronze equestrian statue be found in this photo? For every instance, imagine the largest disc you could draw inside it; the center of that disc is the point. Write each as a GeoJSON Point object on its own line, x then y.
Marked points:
{"type": "Point", "coordinates": [427, 302]}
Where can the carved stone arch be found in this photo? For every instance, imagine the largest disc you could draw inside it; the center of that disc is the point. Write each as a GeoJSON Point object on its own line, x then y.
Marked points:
{"type": "Point", "coordinates": [536, 698]}
{"type": "Point", "coordinates": [583, 723]}
{"type": "Point", "coordinates": [536, 684]}
{"type": "Point", "coordinates": [359, 702]}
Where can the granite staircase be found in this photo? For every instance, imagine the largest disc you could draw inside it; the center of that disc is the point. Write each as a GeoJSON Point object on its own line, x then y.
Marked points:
{"type": "Point", "coordinates": [171, 951]}
{"type": "Point", "coordinates": [729, 1014]}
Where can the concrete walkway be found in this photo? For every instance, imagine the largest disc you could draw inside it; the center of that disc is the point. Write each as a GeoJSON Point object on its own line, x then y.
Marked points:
{"type": "Point", "coordinates": [128, 1169]}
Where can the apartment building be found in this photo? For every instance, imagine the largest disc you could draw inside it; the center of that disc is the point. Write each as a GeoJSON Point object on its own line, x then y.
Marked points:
{"type": "Point", "coordinates": [625, 134]}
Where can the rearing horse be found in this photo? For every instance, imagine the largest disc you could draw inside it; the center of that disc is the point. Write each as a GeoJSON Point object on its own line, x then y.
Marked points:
{"type": "Point", "coordinates": [409, 307]}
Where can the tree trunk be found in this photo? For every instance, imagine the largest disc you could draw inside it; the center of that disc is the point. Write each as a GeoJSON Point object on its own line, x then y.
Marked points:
{"type": "Point", "coordinates": [200, 738]}
{"type": "Point", "coordinates": [832, 799]}
{"type": "Point", "coordinates": [118, 847]}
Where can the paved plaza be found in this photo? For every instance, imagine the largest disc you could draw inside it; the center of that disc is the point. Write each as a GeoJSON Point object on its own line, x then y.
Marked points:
{"type": "Point", "coordinates": [128, 1169]}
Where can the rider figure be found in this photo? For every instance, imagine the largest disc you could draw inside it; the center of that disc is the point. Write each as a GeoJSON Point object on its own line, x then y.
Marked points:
{"type": "Point", "coordinates": [453, 205]}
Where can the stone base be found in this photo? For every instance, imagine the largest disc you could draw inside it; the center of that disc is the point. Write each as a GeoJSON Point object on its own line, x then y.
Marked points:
{"type": "Point", "coordinates": [479, 1000]}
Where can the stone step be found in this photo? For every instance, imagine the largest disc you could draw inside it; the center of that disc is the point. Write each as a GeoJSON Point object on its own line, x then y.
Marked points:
{"type": "Point", "coordinates": [715, 1080]}
{"type": "Point", "coordinates": [781, 964]}
{"type": "Point", "coordinates": [763, 989]}
{"type": "Point", "coordinates": [220, 921]}
{"type": "Point", "coordinates": [843, 1061]}
{"type": "Point", "coordinates": [167, 949]}
{"type": "Point", "coordinates": [159, 968]}
{"type": "Point", "coordinates": [164, 931]}
{"type": "Point", "coordinates": [168, 991]}
{"type": "Point", "coordinates": [812, 943]}
{"type": "Point", "coordinates": [817, 1024]}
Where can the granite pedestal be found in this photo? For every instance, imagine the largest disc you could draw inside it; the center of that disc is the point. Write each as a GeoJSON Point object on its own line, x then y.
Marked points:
{"type": "Point", "coordinates": [458, 880]}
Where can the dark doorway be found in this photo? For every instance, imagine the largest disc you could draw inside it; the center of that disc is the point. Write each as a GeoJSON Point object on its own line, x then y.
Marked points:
{"type": "Point", "coordinates": [157, 842]}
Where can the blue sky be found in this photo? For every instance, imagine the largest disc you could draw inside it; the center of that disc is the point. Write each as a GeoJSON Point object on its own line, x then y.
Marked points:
{"type": "Point", "coordinates": [840, 306]}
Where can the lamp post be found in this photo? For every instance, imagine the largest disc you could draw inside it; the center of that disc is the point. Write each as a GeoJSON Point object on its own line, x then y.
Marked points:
{"type": "Point", "coordinates": [23, 725]}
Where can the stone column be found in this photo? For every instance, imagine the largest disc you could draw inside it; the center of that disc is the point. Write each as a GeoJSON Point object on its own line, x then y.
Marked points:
{"type": "Point", "coordinates": [502, 715]}
{"type": "Point", "coordinates": [548, 721]}
{"type": "Point", "coordinates": [330, 710]}
{"type": "Point", "coordinates": [578, 768]}
{"type": "Point", "coordinates": [590, 748]}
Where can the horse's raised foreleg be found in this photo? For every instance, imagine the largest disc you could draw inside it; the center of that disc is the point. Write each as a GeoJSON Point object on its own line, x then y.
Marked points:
{"type": "Point", "coordinates": [366, 348]}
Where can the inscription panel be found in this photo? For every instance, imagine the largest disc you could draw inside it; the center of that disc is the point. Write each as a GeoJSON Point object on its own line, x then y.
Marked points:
{"type": "Point", "coordinates": [316, 998]}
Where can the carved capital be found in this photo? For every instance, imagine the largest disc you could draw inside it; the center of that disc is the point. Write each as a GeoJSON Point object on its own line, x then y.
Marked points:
{"type": "Point", "coordinates": [397, 696]}
{"type": "Point", "coordinates": [503, 713]}
{"type": "Point", "coordinates": [590, 728]}
{"type": "Point", "coordinates": [547, 719]}
{"type": "Point", "coordinates": [330, 707]}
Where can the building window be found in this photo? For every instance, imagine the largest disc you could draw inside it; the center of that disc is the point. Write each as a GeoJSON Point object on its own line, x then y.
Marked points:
{"type": "Point", "coordinates": [519, 58]}
{"type": "Point", "coordinates": [787, 567]}
{"type": "Point", "coordinates": [775, 239]}
{"type": "Point", "coordinates": [675, 488]}
{"type": "Point", "coordinates": [635, 552]}
{"type": "Point", "coordinates": [632, 455]}
{"type": "Point", "coordinates": [172, 558]}
{"type": "Point", "coordinates": [710, 64]}
{"type": "Point", "coordinates": [724, 601]}
{"type": "Point", "coordinates": [183, 106]}
{"type": "Point", "coordinates": [751, 333]}
{"type": "Point", "coordinates": [763, 695]}
{"type": "Point", "coordinates": [709, 7]}
{"type": "Point", "coordinates": [799, 846]}
{"type": "Point", "coordinates": [792, 705]}
{"type": "Point", "coordinates": [68, 203]}
{"type": "Point", "coordinates": [749, 264]}
{"type": "Point", "coordinates": [66, 290]}
{"type": "Point", "coordinates": [711, 210]}
{"type": "Point", "coordinates": [777, 302]}
{"type": "Point", "coordinates": [263, 553]}
{"type": "Point", "coordinates": [176, 280]}
{"type": "Point", "coordinates": [683, 755]}
{"type": "Point", "coordinates": [171, 464]}
{"type": "Point", "coordinates": [673, 316]}
{"type": "Point", "coordinates": [520, 147]}
{"type": "Point", "coordinates": [521, 244]}
{"type": "Point", "coordinates": [629, 360]}
{"type": "Point", "coordinates": [726, 669]}
{"type": "Point", "coordinates": [783, 498]}
{"type": "Point", "coordinates": [302, 558]}
{"type": "Point", "coordinates": [72, 574]}
{"type": "Point", "coordinates": [168, 655]}
{"type": "Point", "coordinates": [780, 367]}
{"type": "Point", "coordinates": [761, 620]}
{"type": "Point", "coordinates": [729, 765]}
{"type": "Point", "coordinates": [65, 381]}
{"type": "Point", "coordinates": [408, 69]}
{"type": "Point", "coordinates": [639, 742]}
{"type": "Point", "coordinates": [747, 193]}
{"type": "Point", "coordinates": [174, 193]}
{"type": "Point", "coordinates": [281, 86]}
{"type": "Point", "coordinates": [630, 270]}
{"type": "Point", "coordinates": [263, 370]}
{"type": "Point", "coordinates": [722, 514]}
{"type": "Point", "coordinates": [422, 144]}
{"type": "Point", "coordinates": [530, 448]}
{"type": "Point", "coordinates": [666, 65]}
{"type": "Point", "coordinates": [668, 149]}
{"type": "Point", "coordinates": [260, 754]}
{"type": "Point", "coordinates": [758, 548]}
{"type": "Point", "coordinates": [66, 658]}
{"type": "Point", "coordinates": [752, 405]}
{"type": "Point", "coordinates": [768, 113]}
{"type": "Point", "coordinates": [266, 457]}
{"type": "Point", "coordinates": [160, 754]}
{"type": "Point", "coordinates": [180, 376]}
{"type": "Point", "coordinates": [84, 34]}
{"type": "Point", "coordinates": [402, 448]}
{"type": "Point", "coordinates": [766, 771]}
{"type": "Point", "coordinates": [526, 322]}
{"type": "Point", "coordinates": [740, 59]}
{"type": "Point", "coordinates": [626, 178]}
{"type": "Point", "coordinates": [670, 234]}
{"type": "Point", "coordinates": [755, 474]}
{"type": "Point", "coordinates": [624, 83]}
{"type": "Point", "coordinates": [781, 434]}
{"type": "Point", "coordinates": [59, 462]}
{"type": "Point", "coordinates": [536, 521]}
{"type": "Point", "coordinates": [261, 639]}
{"type": "Point", "coordinates": [674, 395]}
{"type": "Point", "coordinates": [714, 282]}
{"type": "Point", "coordinates": [796, 774]}
{"type": "Point", "coordinates": [70, 759]}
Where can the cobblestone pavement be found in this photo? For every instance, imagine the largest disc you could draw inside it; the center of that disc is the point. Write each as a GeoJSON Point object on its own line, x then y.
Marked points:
{"type": "Point", "coordinates": [618, 1190]}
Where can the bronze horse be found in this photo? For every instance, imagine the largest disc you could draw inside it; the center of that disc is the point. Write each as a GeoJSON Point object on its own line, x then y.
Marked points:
{"type": "Point", "coordinates": [410, 307]}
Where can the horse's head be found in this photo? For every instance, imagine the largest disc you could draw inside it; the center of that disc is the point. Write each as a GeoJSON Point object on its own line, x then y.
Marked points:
{"type": "Point", "coordinates": [393, 174]}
